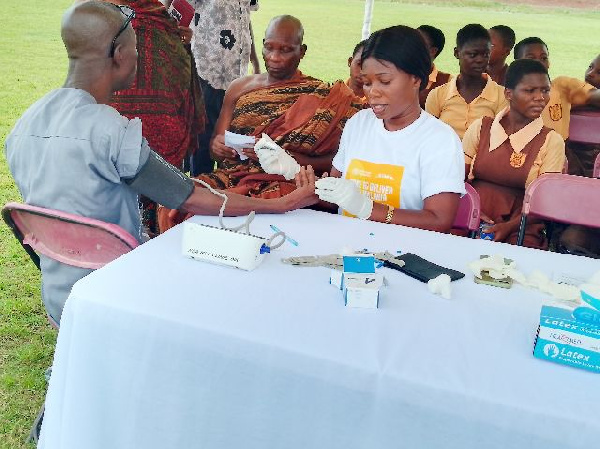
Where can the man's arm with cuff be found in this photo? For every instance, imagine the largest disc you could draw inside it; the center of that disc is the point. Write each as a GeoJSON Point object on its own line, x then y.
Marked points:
{"type": "Point", "coordinates": [164, 184]}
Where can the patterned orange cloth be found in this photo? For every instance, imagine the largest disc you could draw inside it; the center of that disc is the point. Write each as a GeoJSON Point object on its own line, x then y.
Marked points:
{"type": "Point", "coordinates": [303, 115]}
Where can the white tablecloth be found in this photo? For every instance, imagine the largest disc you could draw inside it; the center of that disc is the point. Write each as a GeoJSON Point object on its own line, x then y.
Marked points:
{"type": "Point", "coordinates": [159, 351]}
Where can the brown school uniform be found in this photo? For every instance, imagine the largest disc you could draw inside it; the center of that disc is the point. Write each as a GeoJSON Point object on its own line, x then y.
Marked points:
{"type": "Point", "coordinates": [550, 158]}
{"type": "Point", "coordinates": [500, 176]}
{"type": "Point", "coordinates": [500, 77]}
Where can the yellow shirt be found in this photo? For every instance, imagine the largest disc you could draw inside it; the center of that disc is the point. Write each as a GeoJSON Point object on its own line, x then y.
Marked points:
{"type": "Point", "coordinates": [432, 76]}
{"type": "Point", "coordinates": [564, 92]}
{"type": "Point", "coordinates": [550, 159]}
{"type": "Point", "coordinates": [446, 103]}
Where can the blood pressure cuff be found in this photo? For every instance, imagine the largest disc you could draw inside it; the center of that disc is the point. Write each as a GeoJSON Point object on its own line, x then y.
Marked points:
{"type": "Point", "coordinates": [421, 269]}
{"type": "Point", "coordinates": [161, 182]}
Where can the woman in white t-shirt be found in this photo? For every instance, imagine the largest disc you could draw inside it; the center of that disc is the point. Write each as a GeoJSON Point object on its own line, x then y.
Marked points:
{"type": "Point", "coordinates": [396, 163]}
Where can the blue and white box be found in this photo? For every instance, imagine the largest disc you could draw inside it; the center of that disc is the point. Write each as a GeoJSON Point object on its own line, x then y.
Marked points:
{"type": "Point", "coordinates": [353, 263]}
{"type": "Point", "coordinates": [359, 283]}
{"type": "Point", "coordinates": [562, 338]}
{"type": "Point", "coordinates": [359, 263]}
{"type": "Point", "coordinates": [361, 290]}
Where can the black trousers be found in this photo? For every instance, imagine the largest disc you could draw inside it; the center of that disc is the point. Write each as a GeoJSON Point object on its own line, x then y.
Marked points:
{"type": "Point", "coordinates": [200, 161]}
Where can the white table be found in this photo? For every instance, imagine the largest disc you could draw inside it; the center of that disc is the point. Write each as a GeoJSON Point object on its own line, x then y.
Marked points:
{"type": "Point", "coordinates": [159, 351]}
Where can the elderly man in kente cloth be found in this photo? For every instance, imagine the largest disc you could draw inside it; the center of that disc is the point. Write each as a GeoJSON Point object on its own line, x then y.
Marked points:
{"type": "Point", "coordinates": [303, 115]}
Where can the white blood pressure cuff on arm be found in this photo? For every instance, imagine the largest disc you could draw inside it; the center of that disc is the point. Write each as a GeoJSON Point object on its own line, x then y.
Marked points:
{"type": "Point", "coordinates": [161, 182]}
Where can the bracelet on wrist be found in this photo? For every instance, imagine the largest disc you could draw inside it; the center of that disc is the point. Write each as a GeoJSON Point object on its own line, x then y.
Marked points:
{"type": "Point", "coordinates": [390, 214]}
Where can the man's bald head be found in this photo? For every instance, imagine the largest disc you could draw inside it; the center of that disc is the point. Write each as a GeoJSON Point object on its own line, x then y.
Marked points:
{"type": "Point", "coordinates": [88, 28]}
{"type": "Point", "coordinates": [288, 23]}
{"type": "Point", "coordinates": [283, 48]}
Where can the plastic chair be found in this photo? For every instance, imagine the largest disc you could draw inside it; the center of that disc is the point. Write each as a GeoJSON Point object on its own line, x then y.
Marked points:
{"type": "Point", "coordinates": [584, 125]}
{"type": "Point", "coordinates": [469, 209]}
{"type": "Point", "coordinates": [68, 238]}
{"type": "Point", "coordinates": [562, 198]}
{"type": "Point", "coordinates": [596, 173]}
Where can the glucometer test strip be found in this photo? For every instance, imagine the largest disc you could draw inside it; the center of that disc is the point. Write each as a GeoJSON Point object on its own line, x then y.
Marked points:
{"type": "Point", "coordinates": [289, 239]}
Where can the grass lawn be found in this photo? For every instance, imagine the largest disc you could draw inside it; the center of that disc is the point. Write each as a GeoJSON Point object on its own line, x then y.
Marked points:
{"type": "Point", "coordinates": [33, 61]}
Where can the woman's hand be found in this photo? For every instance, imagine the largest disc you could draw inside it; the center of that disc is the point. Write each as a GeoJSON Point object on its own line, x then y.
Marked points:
{"type": "Point", "coordinates": [346, 194]}
{"type": "Point", "coordinates": [483, 217]}
{"type": "Point", "coordinates": [502, 230]}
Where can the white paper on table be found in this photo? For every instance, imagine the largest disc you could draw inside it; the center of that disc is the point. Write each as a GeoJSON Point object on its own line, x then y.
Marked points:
{"type": "Point", "coordinates": [238, 142]}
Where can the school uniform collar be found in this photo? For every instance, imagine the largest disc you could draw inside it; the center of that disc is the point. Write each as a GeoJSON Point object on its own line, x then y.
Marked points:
{"type": "Point", "coordinates": [518, 140]}
{"type": "Point", "coordinates": [487, 92]}
{"type": "Point", "coordinates": [432, 76]}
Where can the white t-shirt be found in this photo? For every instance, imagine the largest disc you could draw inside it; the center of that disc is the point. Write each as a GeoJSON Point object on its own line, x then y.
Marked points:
{"type": "Point", "coordinates": [401, 168]}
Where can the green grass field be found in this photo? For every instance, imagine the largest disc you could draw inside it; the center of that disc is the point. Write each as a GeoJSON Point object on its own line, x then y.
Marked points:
{"type": "Point", "coordinates": [33, 61]}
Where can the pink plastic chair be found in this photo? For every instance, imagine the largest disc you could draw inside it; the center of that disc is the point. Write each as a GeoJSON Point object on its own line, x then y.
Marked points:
{"type": "Point", "coordinates": [68, 238]}
{"type": "Point", "coordinates": [596, 173]}
{"type": "Point", "coordinates": [584, 125]}
{"type": "Point", "coordinates": [469, 209]}
{"type": "Point", "coordinates": [562, 198]}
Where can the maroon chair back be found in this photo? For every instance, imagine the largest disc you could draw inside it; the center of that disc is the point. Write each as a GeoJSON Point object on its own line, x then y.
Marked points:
{"type": "Point", "coordinates": [469, 209]}
{"type": "Point", "coordinates": [584, 125]}
{"type": "Point", "coordinates": [562, 198]}
{"type": "Point", "coordinates": [68, 238]}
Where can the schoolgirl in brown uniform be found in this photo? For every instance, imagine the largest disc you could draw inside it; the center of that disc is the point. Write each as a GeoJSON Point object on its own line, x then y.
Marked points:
{"type": "Point", "coordinates": [503, 155]}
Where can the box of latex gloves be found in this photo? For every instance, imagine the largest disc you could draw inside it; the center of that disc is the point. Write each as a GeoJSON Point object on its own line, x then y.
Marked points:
{"type": "Point", "coordinates": [358, 282]}
{"type": "Point", "coordinates": [569, 337]}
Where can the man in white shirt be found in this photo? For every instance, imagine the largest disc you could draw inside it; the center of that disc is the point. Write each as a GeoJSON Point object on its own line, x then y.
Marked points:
{"type": "Point", "coordinates": [222, 45]}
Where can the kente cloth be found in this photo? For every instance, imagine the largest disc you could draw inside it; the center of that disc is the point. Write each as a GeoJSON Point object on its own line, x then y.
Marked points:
{"type": "Point", "coordinates": [165, 94]}
{"type": "Point", "coordinates": [500, 181]}
{"type": "Point", "coordinates": [303, 115]}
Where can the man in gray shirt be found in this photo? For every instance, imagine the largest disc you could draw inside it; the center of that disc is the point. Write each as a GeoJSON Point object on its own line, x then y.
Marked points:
{"type": "Point", "coordinates": [72, 152]}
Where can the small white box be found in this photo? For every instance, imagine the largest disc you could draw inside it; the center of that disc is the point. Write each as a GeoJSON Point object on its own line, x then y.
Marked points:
{"type": "Point", "coordinates": [362, 289]}
{"type": "Point", "coordinates": [335, 278]}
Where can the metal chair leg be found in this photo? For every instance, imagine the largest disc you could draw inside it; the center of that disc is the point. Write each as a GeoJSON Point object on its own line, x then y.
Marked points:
{"type": "Point", "coordinates": [34, 434]}
{"type": "Point", "coordinates": [521, 236]}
